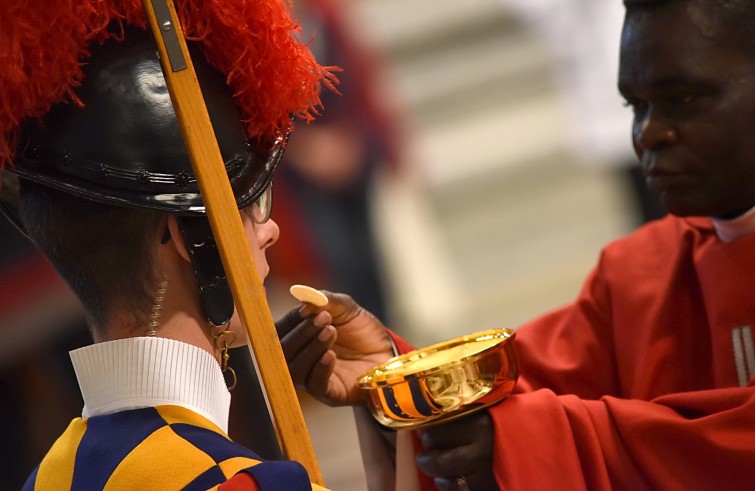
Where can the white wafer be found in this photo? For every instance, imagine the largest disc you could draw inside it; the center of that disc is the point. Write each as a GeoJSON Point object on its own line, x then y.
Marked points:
{"type": "Point", "coordinates": [307, 294]}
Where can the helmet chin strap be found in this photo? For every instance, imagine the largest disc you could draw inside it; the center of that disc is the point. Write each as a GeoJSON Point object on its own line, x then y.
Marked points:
{"type": "Point", "coordinates": [214, 290]}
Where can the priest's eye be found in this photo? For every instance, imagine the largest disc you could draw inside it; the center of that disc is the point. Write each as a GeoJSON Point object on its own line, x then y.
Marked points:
{"type": "Point", "coordinates": [637, 106]}
{"type": "Point", "coordinates": [680, 99]}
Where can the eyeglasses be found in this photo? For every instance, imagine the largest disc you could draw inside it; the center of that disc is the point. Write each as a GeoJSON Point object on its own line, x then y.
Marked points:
{"type": "Point", "coordinates": [259, 211]}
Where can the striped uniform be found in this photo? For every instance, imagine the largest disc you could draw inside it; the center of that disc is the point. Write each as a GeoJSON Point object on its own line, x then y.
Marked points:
{"type": "Point", "coordinates": [163, 447]}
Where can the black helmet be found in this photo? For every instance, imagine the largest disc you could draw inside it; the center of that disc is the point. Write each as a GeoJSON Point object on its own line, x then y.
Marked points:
{"type": "Point", "coordinates": [124, 146]}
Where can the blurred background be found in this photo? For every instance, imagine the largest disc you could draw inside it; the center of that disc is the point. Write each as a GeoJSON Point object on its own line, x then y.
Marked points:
{"type": "Point", "coordinates": [467, 177]}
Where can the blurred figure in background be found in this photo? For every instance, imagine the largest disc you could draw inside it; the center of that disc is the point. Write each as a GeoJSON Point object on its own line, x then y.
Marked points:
{"type": "Point", "coordinates": [323, 190]}
{"type": "Point", "coordinates": [583, 36]}
{"type": "Point", "coordinates": [41, 321]}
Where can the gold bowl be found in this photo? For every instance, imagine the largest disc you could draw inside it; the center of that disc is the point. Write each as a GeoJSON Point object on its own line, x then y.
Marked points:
{"type": "Point", "coordinates": [443, 381]}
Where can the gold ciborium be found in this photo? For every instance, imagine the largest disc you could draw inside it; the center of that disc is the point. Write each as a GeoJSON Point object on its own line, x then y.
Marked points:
{"type": "Point", "coordinates": [443, 381]}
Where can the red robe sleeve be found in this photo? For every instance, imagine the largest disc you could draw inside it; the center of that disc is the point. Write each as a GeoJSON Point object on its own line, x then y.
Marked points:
{"type": "Point", "coordinates": [698, 440]}
{"type": "Point", "coordinates": [641, 382]}
{"type": "Point", "coordinates": [633, 386]}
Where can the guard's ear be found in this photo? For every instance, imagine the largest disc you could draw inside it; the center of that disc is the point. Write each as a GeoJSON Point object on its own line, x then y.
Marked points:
{"type": "Point", "coordinates": [176, 238]}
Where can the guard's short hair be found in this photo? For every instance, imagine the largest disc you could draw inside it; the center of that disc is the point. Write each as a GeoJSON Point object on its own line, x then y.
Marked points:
{"type": "Point", "coordinates": [103, 252]}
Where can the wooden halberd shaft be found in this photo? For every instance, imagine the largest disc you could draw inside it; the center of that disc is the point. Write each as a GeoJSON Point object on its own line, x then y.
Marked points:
{"type": "Point", "coordinates": [248, 292]}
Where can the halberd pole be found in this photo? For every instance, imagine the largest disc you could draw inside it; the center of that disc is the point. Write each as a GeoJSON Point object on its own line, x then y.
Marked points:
{"type": "Point", "coordinates": [246, 286]}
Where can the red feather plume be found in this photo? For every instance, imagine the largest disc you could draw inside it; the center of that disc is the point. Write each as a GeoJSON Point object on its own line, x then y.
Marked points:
{"type": "Point", "coordinates": [43, 46]}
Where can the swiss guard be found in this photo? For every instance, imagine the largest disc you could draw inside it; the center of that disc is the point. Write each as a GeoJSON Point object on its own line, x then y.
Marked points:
{"type": "Point", "coordinates": [96, 172]}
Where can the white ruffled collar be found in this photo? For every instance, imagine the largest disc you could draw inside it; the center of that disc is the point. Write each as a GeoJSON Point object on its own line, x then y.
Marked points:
{"type": "Point", "coordinates": [730, 230]}
{"type": "Point", "coordinates": [142, 372]}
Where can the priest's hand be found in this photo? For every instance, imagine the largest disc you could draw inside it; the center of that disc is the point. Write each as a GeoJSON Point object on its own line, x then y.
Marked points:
{"type": "Point", "coordinates": [459, 453]}
{"type": "Point", "coordinates": [328, 347]}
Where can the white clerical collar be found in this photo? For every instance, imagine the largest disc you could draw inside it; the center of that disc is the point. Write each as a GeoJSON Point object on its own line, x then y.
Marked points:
{"type": "Point", "coordinates": [150, 371]}
{"type": "Point", "coordinates": [730, 230]}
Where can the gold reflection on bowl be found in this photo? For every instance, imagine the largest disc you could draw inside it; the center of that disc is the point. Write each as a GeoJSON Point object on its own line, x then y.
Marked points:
{"type": "Point", "coordinates": [443, 381]}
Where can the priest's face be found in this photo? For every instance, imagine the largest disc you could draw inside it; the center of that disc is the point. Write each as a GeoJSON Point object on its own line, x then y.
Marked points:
{"type": "Point", "coordinates": [691, 84]}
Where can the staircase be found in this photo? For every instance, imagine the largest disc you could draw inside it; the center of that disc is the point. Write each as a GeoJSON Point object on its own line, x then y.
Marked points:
{"type": "Point", "coordinates": [515, 220]}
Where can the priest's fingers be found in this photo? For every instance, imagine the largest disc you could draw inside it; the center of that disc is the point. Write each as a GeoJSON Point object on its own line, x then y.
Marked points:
{"type": "Point", "coordinates": [471, 429]}
{"type": "Point", "coordinates": [448, 466]}
{"type": "Point", "coordinates": [318, 383]}
{"type": "Point", "coordinates": [466, 483]}
{"type": "Point", "coordinates": [288, 322]}
{"type": "Point", "coordinates": [306, 366]}
{"type": "Point", "coordinates": [447, 463]}
{"type": "Point", "coordinates": [462, 447]}
{"type": "Point", "coordinates": [299, 337]}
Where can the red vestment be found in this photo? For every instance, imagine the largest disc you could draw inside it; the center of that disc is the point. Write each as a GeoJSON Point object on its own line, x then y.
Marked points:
{"type": "Point", "coordinates": [635, 385]}
{"type": "Point", "coordinates": [638, 383]}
